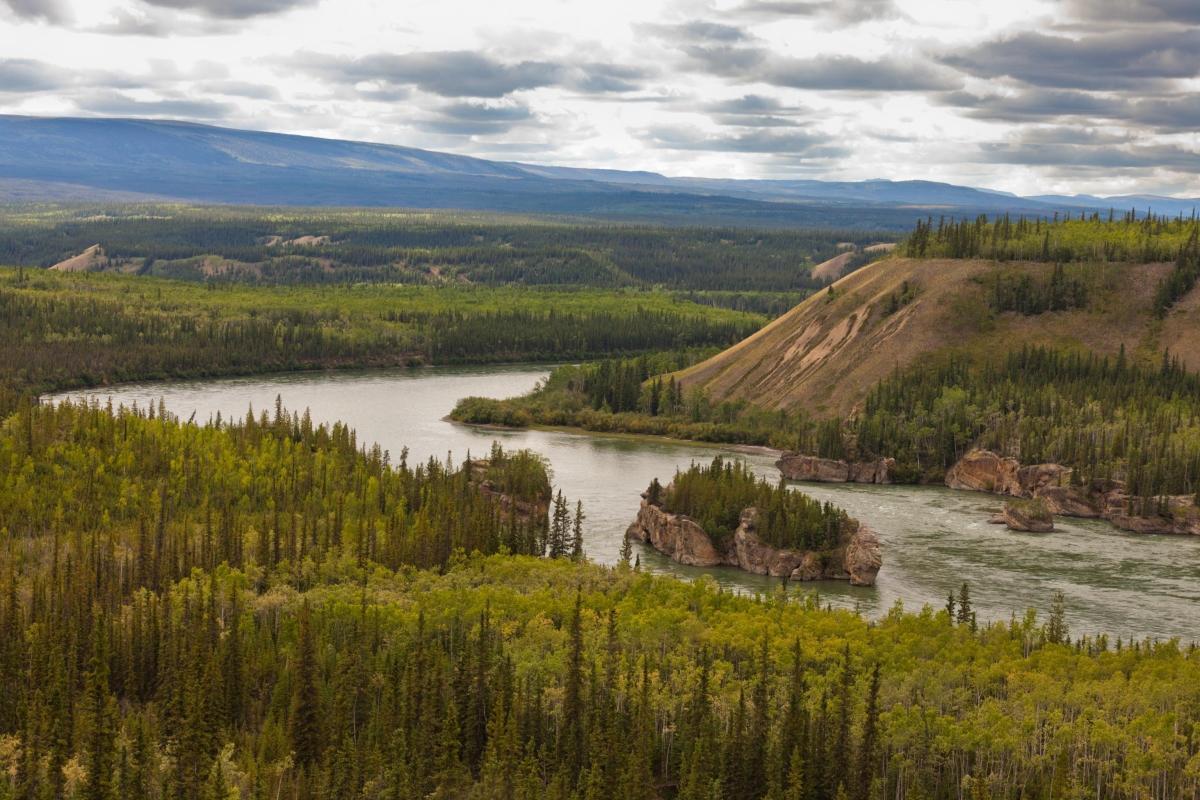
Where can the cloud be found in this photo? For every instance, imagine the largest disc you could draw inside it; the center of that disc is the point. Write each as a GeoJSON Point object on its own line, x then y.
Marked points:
{"type": "Point", "coordinates": [233, 9]}
{"type": "Point", "coordinates": [1092, 158]}
{"type": "Point", "coordinates": [463, 73]}
{"type": "Point", "coordinates": [744, 58]}
{"type": "Point", "coordinates": [37, 10]}
{"type": "Point", "coordinates": [848, 73]}
{"type": "Point", "coordinates": [1140, 59]}
{"type": "Point", "coordinates": [478, 119]}
{"type": "Point", "coordinates": [792, 143]}
{"type": "Point", "coordinates": [1184, 12]}
{"type": "Point", "coordinates": [122, 105]}
{"type": "Point", "coordinates": [1036, 104]}
{"type": "Point", "coordinates": [846, 12]}
{"type": "Point", "coordinates": [23, 75]}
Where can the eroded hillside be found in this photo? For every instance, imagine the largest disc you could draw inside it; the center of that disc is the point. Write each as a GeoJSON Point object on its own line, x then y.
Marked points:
{"type": "Point", "coordinates": [825, 354]}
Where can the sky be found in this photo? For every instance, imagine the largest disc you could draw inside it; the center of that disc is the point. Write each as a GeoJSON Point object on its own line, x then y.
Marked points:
{"type": "Point", "coordinates": [1028, 96]}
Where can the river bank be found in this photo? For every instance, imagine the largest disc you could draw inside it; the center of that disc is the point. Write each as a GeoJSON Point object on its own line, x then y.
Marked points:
{"type": "Point", "coordinates": [933, 538]}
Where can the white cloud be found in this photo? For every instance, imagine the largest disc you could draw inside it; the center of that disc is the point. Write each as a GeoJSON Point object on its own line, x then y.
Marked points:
{"type": "Point", "coordinates": [901, 89]}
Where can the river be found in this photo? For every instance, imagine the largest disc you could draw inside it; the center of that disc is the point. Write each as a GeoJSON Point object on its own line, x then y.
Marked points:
{"type": "Point", "coordinates": [933, 538]}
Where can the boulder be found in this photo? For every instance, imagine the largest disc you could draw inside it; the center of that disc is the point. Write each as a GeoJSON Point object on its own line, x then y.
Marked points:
{"type": "Point", "coordinates": [1069, 501]}
{"type": "Point", "coordinates": [863, 557]}
{"type": "Point", "coordinates": [1037, 477]}
{"type": "Point", "coordinates": [810, 569]}
{"type": "Point", "coordinates": [1033, 517]}
{"type": "Point", "coordinates": [985, 471]}
{"type": "Point", "coordinates": [800, 467]}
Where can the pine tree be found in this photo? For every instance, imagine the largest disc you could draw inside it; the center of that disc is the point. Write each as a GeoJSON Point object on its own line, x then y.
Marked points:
{"type": "Point", "coordinates": [577, 532]}
{"type": "Point", "coordinates": [305, 712]}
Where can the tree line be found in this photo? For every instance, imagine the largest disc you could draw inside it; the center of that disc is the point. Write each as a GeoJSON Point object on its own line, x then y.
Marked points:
{"type": "Point", "coordinates": [62, 331]}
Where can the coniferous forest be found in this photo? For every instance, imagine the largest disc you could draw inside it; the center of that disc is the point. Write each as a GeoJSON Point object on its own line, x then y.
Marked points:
{"type": "Point", "coordinates": [242, 609]}
{"type": "Point", "coordinates": [268, 608]}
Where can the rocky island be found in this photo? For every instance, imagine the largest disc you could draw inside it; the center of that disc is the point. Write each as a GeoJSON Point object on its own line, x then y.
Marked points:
{"type": "Point", "coordinates": [721, 515]}
{"type": "Point", "coordinates": [1052, 484]}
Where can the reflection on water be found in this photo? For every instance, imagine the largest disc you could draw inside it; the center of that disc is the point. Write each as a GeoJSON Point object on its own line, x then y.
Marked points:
{"type": "Point", "coordinates": [933, 538]}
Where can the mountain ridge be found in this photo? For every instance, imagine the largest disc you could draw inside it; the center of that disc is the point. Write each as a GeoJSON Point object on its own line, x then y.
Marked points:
{"type": "Point", "coordinates": [80, 158]}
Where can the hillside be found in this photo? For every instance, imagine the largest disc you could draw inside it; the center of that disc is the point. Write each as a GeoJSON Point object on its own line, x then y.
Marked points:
{"type": "Point", "coordinates": [829, 351]}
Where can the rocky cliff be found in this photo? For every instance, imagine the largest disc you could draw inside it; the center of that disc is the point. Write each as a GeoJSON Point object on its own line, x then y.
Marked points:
{"type": "Point", "coordinates": [985, 471]}
{"type": "Point", "coordinates": [531, 510]}
{"type": "Point", "coordinates": [858, 559]}
{"type": "Point", "coordinates": [800, 467]}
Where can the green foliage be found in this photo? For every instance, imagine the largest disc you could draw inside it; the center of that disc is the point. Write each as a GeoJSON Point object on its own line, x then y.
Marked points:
{"type": "Point", "coordinates": [337, 246]}
{"type": "Point", "coordinates": [64, 330]}
{"type": "Point", "coordinates": [1105, 418]}
{"type": "Point", "coordinates": [1026, 294]}
{"type": "Point", "coordinates": [275, 494]}
{"type": "Point", "coordinates": [1131, 239]}
{"type": "Point", "coordinates": [715, 497]}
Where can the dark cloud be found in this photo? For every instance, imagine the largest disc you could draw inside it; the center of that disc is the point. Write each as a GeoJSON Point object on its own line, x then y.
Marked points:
{"type": "Point", "coordinates": [459, 73]}
{"type": "Point", "coordinates": [698, 31]}
{"type": "Point", "coordinates": [1092, 158]}
{"type": "Point", "coordinates": [1136, 11]}
{"type": "Point", "coordinates": [794, 143]}
{"type": "Point", "coordinates": [233, 88]}
{"type": "Point", "coordinates": [600, 78]}
{"type": "Point", "coordinates": [848, 73]}
{"type": "Point", "coordinates": [1036, 104]}
{"type": "Point", "coordinates": [37, 10]}
{"type": "Point", "coordinates": [22, 75]}
{"type": "Point", "coordinates": [232, 9]}
{"type": "Point", "coordinates": [118, 104]}
{"type": "Point", "coordinates": [744, 58]}
{"type": "Point", "coordinates": [478, 119]}
{"type": "Point", "coordinates": [1140, 59]}
{"type": "Point", "coordinates": [746, 104]}
{"type": "Point", "coordinates": [463, 73]}
{"type": "Point", "coordinates": [844, 11]}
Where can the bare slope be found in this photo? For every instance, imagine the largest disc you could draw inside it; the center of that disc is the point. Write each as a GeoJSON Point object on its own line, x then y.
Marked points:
{"type": "Point", "coordinates": [89, 260]}
{"type": "Point", "coordinates": [825, 354]}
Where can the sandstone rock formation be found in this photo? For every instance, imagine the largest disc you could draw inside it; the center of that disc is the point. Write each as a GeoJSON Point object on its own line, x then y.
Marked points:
{"type": "Point", "coordinates": [800, 467]}
{"type": "Point", "coordinates": [528, 510]}
{"type": "Point", "coordinates": [675, 536]}
{"type": "Point", "coordinates": [1028, 517]}
{"type": "Point", "coordinates": [985, 471]}
{"type": "Point", "coordinates": [858, 559]}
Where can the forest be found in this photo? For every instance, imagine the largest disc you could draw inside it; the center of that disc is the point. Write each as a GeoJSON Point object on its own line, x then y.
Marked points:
{"type": "Point", "coordinates": [242, 609]}
{"type": "Point", "coordinates": [715, 496]}
{"type": "Point", "coordinates": [62, 330]}
{"type": "Point", "coordinates": [332, 246]}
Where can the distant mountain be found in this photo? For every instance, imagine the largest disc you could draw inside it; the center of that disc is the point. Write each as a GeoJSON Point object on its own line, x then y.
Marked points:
{"type": "Point", "coordinates": [128, 159]}
{"type": "Point", "coordinates": [1141, 203]}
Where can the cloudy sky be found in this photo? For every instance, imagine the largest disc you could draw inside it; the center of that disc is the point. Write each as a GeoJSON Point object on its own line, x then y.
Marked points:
{"type": "Point", "coordinates": [1029, 96]}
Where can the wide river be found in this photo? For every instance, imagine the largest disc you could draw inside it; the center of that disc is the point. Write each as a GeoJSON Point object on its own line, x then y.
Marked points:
{"type": "Point", "coordinates": [933, 538]}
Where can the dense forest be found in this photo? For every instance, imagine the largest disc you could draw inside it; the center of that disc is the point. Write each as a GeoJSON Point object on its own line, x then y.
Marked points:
{"type": "Point", "coordinates": [290, 246]}
{"type": "Point", "coordinates": [66, 330]}
{"type": "Point", "coordinates": [238, 610]}
{"type": "Point", "coordinates": [715, 496]}
{"type": "Point", "coordinates": [1091, 237]}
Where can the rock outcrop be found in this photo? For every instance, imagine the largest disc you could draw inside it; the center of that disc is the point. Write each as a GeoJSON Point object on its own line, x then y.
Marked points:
{"type": "Point", "coordinates": [675, 536]}
{"type": "Point", "coordinates": [985, 471]}
{"type": "Point", "coordinates": [858, 559]}
{"type": "Point", "coordinates": [1028, 517]}
{"type": "Point", "coordinates": [800, 467]}
{"type": "Point", "coordinates": [527, 510]}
